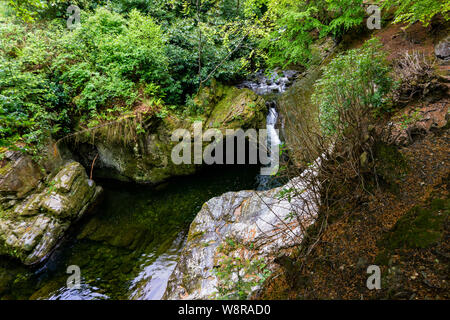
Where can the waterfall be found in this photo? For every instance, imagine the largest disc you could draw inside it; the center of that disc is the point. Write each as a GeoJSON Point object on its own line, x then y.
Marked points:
{"type": "Point", "coordinates": [270, 87]}
{"type": "Point", "coordinates": [272, 135]}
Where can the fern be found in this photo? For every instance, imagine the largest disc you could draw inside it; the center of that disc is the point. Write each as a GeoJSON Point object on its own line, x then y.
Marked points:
{"type": "Point", "coordinates": [347, 14]}
{"type": "Point", "coordinates": [411, 11]}
{"type": "Point", "coordinates": [299, 23]}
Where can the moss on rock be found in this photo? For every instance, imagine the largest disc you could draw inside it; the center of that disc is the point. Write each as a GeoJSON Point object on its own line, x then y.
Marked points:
{"type": "Point", "coordinates": [147, 157]}
{"type": "Point", "coordinates": [421, 227]}
{"type": "Point", "coordinates": [390, 164]}
{"type": "Point", "coordinates": [31, 228]}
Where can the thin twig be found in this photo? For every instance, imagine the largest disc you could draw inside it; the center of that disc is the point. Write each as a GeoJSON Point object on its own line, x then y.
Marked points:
{"type": "Point", "coordinates": [92, 166]}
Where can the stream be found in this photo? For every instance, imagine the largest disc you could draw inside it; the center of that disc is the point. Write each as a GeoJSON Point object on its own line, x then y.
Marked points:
{"type": "Point", "coordinates": [270, 87]}
{"type": "Point", "coordinates": [129, 246]}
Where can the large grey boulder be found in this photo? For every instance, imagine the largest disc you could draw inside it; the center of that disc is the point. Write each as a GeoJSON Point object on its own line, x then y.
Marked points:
{"type": "Point", "coordinates": [36, 209]}
{"type": "Point", "coordinates": [259, 225]}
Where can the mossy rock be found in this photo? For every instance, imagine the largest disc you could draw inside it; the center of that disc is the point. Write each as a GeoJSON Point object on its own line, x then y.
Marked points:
{"type": "Point", "coordinates": [147, 158]}
{"type": "Point", "coordinates": [209, 96]}
{"type": "Point", "coordinates": [32, 227]}
{"type": "Point", "coordinates": [238, 108]}
{"type": "Point", "coordinates": [19, 175]}
{"type": "Point", "coordinates": [390, 164]}
{"type": "Point", "coordinates": [421, 227]}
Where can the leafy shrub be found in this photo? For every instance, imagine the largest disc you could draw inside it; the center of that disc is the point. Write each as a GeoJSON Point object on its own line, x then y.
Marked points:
{"type": "Point", "coordinates": [355, 87]}
{"type": "Point", "coordinates": [342, 16]}
{"type": "Point", "coordinates": [31, 98]}
{"type": "Point", "coordinates": [27, 9]}
{"type": "Point", "coordinates": [354, 90]}
{"type": "Point", "coordinates": [289, 43]}
{"type": "Point", "coordinates": [411, 11]}
{"type": "Point", "coordinates": [183, 54]}
{"type": "Point", "coordinates": [108, 57]}
{"type": "Point", "coordinates": [50, 77]}
{"type": "Point", "coordinates": [298, 23]}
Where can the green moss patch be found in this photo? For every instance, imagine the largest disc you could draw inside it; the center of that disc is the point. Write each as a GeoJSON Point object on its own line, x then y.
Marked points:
{"type": "Point", "coordinates": [421, 227]}
{"type": "Point", "coordinates": [390, 165]}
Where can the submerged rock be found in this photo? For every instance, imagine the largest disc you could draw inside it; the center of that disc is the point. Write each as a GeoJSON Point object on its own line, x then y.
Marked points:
{"type": "Point", "coordinates": [35, 210]}
{"type": "Point", "coordinates": [239, 226]}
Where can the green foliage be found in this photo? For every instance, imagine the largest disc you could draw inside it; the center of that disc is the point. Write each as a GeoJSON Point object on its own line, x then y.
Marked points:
{"type": "Point", "coordinates": [296, 24]}
{"type": "Point", "coordinates": [31, 98]}
{"type": "Point", "coordinates": [355, 87]}
{"type": "Point", "coordinates": [221, 44]}
{"type": "Point", "coordinates": [148, 51]}
{"type": "Point", "coordinates": [50, 77]}
{"type": "Point", "coordinates": [108, 57]}
{"type": "Point", "coordinates": [290, 42]}
{"type": "Point", "coordinates": [222, 24]}
{"type": "Point", "coordinates": [31, 10]}
{"type": "Point", "coordinates": [163, 11]}
{"type": "Point", "coordinates": [27, 9]}
{"type": "Point", "coordinates": [237, 272]}
{"type": "Point", "coordinates": [343, 16]}
{"type": "Point", "coordinates": [411, 11]}
{"type": "Point", "coordinates": [5, 10]}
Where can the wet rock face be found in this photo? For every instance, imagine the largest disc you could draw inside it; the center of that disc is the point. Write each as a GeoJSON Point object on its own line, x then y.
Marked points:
{"type": "Point", "coordinates": [442, 49]}
{"type": "Point", "coordinates": [34, 213]}
{"type": "Point", "coordinates": [258, 221]}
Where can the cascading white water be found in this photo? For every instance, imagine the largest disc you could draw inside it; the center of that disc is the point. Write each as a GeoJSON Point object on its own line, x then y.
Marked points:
{"type": "Point", "coordinates": [265, 86]}
{"type": "Point", "coordinates": [273, 141]}
{"type": "Point", "coordinates": [274, 83]}
{"type": "Point", "coordinates": [272, 135]}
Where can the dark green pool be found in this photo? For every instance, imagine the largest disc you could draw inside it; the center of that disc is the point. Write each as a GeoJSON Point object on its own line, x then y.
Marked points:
{"type": "Point", "coordinates": [129, 246]}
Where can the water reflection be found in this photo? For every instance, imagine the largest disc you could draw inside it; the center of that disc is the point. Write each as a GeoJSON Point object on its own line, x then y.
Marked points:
{"type": "Point", "coordinates": [129, 247]}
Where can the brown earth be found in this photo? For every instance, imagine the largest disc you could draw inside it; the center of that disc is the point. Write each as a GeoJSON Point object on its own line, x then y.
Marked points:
{"type": "Point", "coordinates": [336, 268]}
